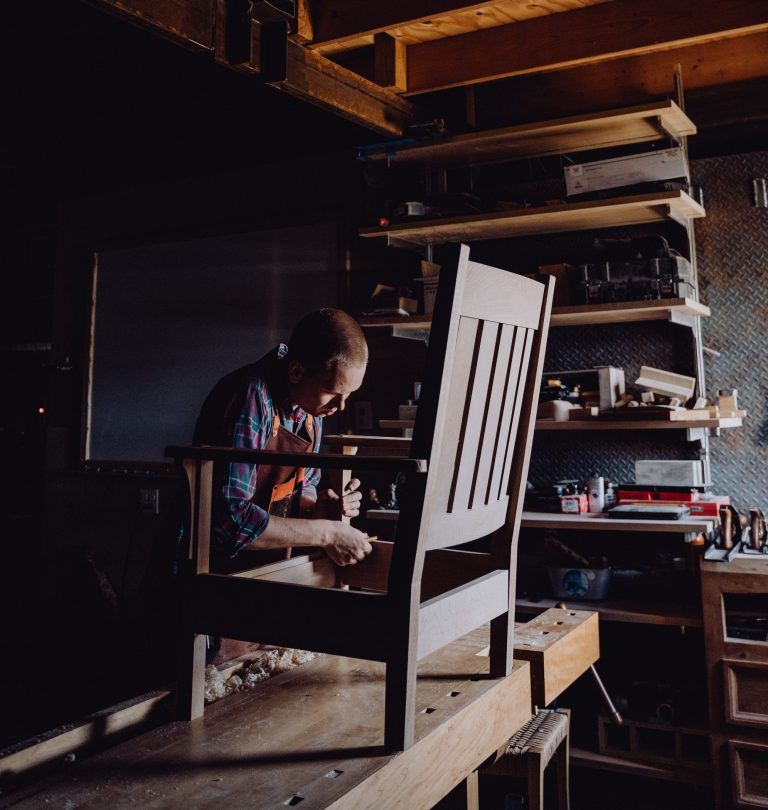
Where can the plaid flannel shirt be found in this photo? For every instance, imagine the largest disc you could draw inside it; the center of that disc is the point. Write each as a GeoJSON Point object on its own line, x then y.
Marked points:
{"type": "Point", "coordinates": [247, 422]}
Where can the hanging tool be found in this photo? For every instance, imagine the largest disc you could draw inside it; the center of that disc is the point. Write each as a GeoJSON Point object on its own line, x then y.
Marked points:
{"type": "Point", "coordinates": [614, 712]}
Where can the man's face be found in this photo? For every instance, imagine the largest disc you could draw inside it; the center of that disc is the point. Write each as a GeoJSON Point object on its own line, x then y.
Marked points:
{"type": "Point", "coordinates": [322, 394]}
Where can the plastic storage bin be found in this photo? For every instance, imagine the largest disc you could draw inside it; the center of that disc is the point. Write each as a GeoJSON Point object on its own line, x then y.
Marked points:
{"type": "Point", "coordinates": [579, 583]}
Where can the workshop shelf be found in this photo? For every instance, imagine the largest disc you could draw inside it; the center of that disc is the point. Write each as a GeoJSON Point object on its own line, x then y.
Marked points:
{"type": "Point", "coordinates": [591, 759]}
{"type": "Point", "coordinates": [605, 424]}
{"type": "Point", "coordinates": [669, 309]}
{"type": "Point", "coordinates": [616, 212]}
{"type": "Point", "coordinates": [601, 522]}
{"type": "Point", "coordinates": [641, 124]}
{"type": "Point", "coordinates": [675, 614]}
{"type": "Point", "coordinates": [639, 424]}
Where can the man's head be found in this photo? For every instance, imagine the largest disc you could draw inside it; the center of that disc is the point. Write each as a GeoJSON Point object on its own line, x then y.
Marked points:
{"type": "Point", "coordinates": [327, 356]}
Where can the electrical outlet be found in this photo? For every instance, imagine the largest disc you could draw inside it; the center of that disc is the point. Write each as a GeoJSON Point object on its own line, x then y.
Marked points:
{"type": "Point", "coordinates": [149, 501]}
{"type": "Point", "coordinates": [363, 415]}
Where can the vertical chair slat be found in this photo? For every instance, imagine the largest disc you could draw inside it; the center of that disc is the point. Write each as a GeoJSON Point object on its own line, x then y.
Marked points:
{"type": "Point", "coordinates": [494, 408]}
{"type": "Point", "coordinates": [509, 451]}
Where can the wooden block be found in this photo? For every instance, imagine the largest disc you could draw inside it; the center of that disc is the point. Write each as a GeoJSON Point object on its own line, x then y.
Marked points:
{"type": "Point", "coordinates": [390, 62]}
{"type": "Point", "coordinates": [561, 645]}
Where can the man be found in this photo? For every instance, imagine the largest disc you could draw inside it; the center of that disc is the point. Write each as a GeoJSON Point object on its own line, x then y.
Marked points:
{"type": "Point", "coordinates": [278, 404]}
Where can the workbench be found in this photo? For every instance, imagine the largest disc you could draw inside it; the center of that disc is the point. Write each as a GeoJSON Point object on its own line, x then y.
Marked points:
{"type": "Point", "coordinates": [313, 736]}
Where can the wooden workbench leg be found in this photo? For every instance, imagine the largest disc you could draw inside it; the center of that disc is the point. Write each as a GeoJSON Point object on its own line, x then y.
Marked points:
{"type": "Point", "coordinates": [535, 781]}
{"type": "Point", "coordinates": [563, 776]}
{"type": "Point", "coordinates": [472, 786]}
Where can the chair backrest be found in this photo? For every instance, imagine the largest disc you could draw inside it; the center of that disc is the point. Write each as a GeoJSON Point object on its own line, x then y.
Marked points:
{"type": "Point", "coordinates": [477, 384]}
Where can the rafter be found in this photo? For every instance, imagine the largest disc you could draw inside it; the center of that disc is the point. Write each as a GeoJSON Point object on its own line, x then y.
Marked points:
{"type": "Point", "coordinates": [595, 34]}
{"type": "Point", "coordinates": [342, 21]}
{"type": "Point", "coordinates": [348, 24]}
{"type": "Point", "coordinates": [623, 82]}
{"type": "Point", "coordinates": [309, 76]}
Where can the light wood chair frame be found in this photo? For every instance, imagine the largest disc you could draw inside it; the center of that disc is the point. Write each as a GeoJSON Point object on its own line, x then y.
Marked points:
{"type": "Point", "coordinates": [407, 599]}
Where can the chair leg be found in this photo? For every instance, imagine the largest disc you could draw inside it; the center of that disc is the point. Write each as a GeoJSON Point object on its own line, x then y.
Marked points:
{"type": "Point", "coordinates": [563, 776]}
{"type": "Point", "coordinates": [400, 703]}
{"type": "Point", "coordinates": [535, 781]}
{"type": "Point", "coordinates": [502, 646]}
{"type": "Point", "coordinates": [190, 697]}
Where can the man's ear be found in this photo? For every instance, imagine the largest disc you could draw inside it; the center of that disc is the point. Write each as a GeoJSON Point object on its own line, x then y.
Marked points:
{"type": "Point", "coordinates": [295, 371]}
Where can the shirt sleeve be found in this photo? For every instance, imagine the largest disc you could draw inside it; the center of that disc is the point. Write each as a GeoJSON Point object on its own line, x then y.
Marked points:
{"type": "Point", "coordinates": [240, 520]}
{"type": "Point", "coordinates": [312, 475]}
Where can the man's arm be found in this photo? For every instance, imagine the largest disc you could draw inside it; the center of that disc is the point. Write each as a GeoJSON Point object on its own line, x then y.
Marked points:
{"type": "Point", "coordinates": [247, 526]}
{"type": "Point", "coordinates": [342, 543]}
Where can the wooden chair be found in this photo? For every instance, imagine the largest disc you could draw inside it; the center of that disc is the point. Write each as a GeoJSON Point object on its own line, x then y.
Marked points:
{"type": "Point", "coordinates": [543, 738]}
{"type": "Point", "coordinates": [466, 470]}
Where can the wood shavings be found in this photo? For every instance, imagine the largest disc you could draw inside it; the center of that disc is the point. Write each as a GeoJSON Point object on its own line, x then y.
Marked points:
{"type": "Point", "coordinates": [271, 662]}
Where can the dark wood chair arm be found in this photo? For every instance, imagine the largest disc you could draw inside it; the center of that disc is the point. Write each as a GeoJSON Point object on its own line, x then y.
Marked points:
{"type": "Point", "coordinates": [331, 461]}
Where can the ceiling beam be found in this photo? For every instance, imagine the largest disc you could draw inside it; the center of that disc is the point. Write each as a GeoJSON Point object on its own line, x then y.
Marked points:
{"type": "Point", "coordinates": [187, 21]}
{"type": "Point", "coordinates": [339, 21]}
{"type": "Point", "coordinates": [309, 76]}
{"type": "Point", "coordinates": [314, 78]}
{"type": "Point", "coordinates": [622, 82]}
{"type": "Point", "coordinates": [586, 36]}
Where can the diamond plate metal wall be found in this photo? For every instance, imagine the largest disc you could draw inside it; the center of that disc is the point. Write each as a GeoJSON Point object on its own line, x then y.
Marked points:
{"type": "Point", "coordinates": [732, 250]}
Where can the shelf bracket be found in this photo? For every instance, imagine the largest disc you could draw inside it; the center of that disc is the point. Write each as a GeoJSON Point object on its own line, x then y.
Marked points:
{"type": "Point", "coordinates": [697, 434]}
{"type": "Point", "coordinates": [404, 244]}
{"type": "Point", "coordinates": [678, 218]}
{"type": "Point", "coordinates": [681, 319]}
{"type": "Point", "coordinates": [409, 333]}
{"type": "Point", "coordinates": [664, 131]}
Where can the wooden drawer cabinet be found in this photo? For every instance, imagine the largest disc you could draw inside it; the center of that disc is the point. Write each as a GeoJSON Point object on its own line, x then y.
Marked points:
{"type": "Point", "coordinates": [746, 693]}
{"type": "Point", "coordinates": [734, 605]}
{"type": "Point", "coordinates": [749, 773]}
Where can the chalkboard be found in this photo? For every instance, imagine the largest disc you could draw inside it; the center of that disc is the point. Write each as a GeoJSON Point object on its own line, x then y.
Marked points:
{"type": "Point", "coordinates": [169, 320]}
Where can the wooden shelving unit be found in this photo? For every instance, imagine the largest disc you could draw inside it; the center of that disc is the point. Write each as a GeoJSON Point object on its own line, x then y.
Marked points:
{"type": "Point", "coordinates": [624, 610]}
{"type": "Point", "coordinates": [622, 312]}
{"type": "Point", "coordinates": [648, 122]}
{"type": "Point", "coordinates": [594, 522]}
{"type": "Point", "coordinates": [638, 424]}
{"type": "Point", "coordinates": [607, 424]}
{"type": "Point", "coordinates": [602, 523]}
{"type": "Point", "coordinates": [591, 759]}
{"type": "Point", "coordinates": [628, 312]}
{"type": "Point", "coordinates": [580, 216]}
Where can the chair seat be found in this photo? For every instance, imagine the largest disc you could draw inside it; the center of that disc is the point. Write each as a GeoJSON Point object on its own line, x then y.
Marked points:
{"type": "Point", "coordinates": [541, 735]}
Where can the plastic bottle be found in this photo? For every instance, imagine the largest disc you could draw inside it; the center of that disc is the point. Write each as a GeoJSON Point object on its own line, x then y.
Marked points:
{"type": "Point", "coordinates": [596, 493]}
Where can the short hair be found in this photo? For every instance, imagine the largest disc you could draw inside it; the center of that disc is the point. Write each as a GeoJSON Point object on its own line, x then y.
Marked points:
{"type": "Point", "coordinates": [327, 338]}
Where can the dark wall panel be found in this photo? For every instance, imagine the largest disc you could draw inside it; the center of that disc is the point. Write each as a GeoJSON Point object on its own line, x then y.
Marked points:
{"type": "Point", "coordinates": [172, 319]}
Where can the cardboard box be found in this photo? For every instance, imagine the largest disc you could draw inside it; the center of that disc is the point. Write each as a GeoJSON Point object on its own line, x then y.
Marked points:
{"type": "Point", "coordinates": [612, 386]}
{"type": "Point", "coordinates": [669, 473]}
{"type": "Point", "coordinates": [630, 170]}
{"type": "Point", "coordinates": [666, 383]}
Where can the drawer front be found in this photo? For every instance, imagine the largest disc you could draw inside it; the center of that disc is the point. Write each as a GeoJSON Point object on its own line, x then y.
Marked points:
{"type": "Point", "coordinates": [746, 693]}
{"type": "Point", "coordinates": [749, 773]}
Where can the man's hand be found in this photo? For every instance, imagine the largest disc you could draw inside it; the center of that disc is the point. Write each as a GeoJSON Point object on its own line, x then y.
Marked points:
{"type": "Point", "coordinates": [345, 545]}
{"type": "Point", "coordinates": [327, 505]}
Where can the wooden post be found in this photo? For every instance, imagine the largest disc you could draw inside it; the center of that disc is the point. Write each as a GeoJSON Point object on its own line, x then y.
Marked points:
{"type": "Point", "coordinates": [390, 65]}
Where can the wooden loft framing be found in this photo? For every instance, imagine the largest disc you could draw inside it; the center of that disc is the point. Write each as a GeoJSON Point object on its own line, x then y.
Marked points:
{"type": "Point", "coordinates": [535, 61]}
{"type": "Point", "coordinates": [201, 26]}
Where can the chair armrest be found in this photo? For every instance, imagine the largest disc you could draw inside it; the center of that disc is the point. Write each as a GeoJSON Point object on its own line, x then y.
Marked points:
{"type": "Point", "coordinates": [331, 461]}
{"type": "Point", "coordinates": [383, 442]}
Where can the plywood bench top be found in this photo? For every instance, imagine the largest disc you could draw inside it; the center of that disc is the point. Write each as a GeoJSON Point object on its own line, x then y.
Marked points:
{"type": "Point", "coordinates": [313, 735]}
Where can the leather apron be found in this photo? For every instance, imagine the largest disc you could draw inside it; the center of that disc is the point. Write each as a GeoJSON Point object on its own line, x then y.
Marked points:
{"type": "Point", "coordinates": [278, 491]}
